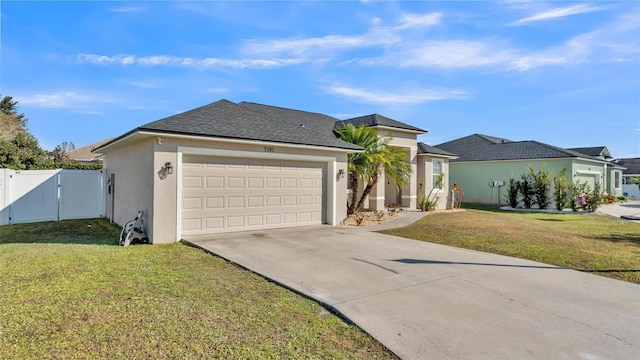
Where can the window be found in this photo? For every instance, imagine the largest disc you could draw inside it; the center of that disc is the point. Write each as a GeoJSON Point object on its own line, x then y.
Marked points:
{"type": "Point", "coordinates": [437, 170]}
{"type": "Point", "coordinates": [616, 181]}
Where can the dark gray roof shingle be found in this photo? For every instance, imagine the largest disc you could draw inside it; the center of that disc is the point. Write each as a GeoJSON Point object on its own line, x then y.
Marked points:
{"type": "Point", "coordinates": [314, 121]}
{"type": "Point", "coordinates": [632, 165]}
{"type": "Point", "coordinates": [225, 119]}
{"type": "Point", "coordinates": [428, 149]}
{"type": "Point", "coordinates": [596, 151]}
{"type": "Point", "coordinates": [379, 120]}
{"type": "Point", "coordinates": [483, 148]}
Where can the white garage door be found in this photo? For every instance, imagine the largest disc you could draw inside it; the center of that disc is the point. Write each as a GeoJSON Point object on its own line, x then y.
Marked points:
{"type": "Point", "coordinates": [222, 194]}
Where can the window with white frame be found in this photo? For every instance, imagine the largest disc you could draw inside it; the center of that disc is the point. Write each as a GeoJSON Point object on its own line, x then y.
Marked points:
{"type": "Point", "coordinates": [437, 170]}
{"type": "Point", "coordinates": [616, 181]}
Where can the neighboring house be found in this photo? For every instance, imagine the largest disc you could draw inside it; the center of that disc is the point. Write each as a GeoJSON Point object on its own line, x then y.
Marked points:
{"type": "Point", "coordinates": [229, 167]}
{"type": "Point", "coordinates": [632, 170]}
{"type": "Point", "coordinates": [84, 155]}
{"type": "Point", "coordinates": [485, 164]}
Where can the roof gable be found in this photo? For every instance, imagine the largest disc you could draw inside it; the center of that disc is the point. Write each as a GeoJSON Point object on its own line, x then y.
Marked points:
{"type": "Point", "coordinates": [225, 119]}
{"type": "Point", "coordinates": [432, 150]}
{"type": "Point", "coordinates": [596, 151]}
{"type": "Point", "coordinates": [379, 120]}
{"type": "Point", "coordinates": [85, 153]}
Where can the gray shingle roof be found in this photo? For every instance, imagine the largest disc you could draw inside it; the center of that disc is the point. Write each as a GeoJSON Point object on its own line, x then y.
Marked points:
{"type": "Point", "coordinates": [379, 120]}
{"type": "Point", "coordinates": [85, 153]}
{"type": "Point", "coordinates": [225, 119]}
{"type": "Point", "coordinates": [314, 121]}
{"type": "Point", "coordinates": [428, 149]}
{"type": "Point", "coordinates": [632, 165]}
{"type": "Point", "coordinates": [482, 148]}
{"type": "Point", "coordinates": [596, 151]}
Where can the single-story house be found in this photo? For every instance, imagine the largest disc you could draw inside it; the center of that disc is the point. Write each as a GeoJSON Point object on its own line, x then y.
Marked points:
{"type": "Point", "coordinates": [632, 170]}
{"type": "Point", "coordinates": [84, 155]}
{"type": "Point", "coordinates": [244, 166]}
{"type": "Point", "coordinates": [485, 164]}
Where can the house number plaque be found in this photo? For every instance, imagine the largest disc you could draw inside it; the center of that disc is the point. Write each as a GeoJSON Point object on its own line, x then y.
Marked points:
{"type": "Point", "coordinates": [269, 149]}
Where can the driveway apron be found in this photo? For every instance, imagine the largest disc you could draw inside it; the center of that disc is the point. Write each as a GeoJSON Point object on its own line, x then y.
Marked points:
{"type": "Point", "coordinates": [429, 301]}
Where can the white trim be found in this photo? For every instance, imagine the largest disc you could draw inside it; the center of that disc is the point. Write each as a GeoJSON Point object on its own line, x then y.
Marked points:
{"type": "Point", "coordinates": [383, 127]}
{"type": "Point", "coordinates": [533, 159]}
{"type": "Point", "coordinates": [233, 141]}
{"type": "Point", "coordinates": [447, 157]}
{"type": "Point", "coordinates": [330, 178]}
{"type": "Point", "coordinates": [597, 175]}
{"type": "Point", "coordinates": [376, 198]}
{"type": "Point", "coordinates": [253, 154]}
{"type": "Point", "coordinates": [409, 196]}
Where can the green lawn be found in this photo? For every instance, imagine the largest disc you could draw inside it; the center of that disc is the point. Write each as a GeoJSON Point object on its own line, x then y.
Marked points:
{"type": "Point", "coordinates": [68, 292]}
{"type": "Point", "coordinates": [601, 245]}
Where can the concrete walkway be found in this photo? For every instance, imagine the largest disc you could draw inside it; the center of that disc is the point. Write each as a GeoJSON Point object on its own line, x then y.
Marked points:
{"type": "Point", "coordinates": [428, 301]}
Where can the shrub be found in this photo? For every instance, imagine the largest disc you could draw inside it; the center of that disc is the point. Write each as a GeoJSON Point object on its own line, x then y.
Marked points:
{"type": "Point", "coordinates": [609, 199]}
{"type": "Point", "coordinates": [512, 192]}
{"type": "Point", "coordinates": [561, 189]}
{"type": "Point", "coordinates": [527, 190]}
{"type": "Point", "coordinates": [594, 198]}
{"type": "Point", "coordinates": [621, 198]}
{"type": "Point", "coordinates": [577, 189]}
{"type": "Point", "coordinates": [541, 185]}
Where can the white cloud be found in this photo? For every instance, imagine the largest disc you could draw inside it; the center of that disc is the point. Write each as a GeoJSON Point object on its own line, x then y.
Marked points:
{"type": "Point", "coordinates": [128, 9]}
{"type": "Point", "coordinates": [416, 20]}
{"type": "Point", "coordinates": [409, 96]}
{"type": "Point", "coordinates": [188, 62]}
{"type": "Point", "coordinates": [320, 45]}
{"type": "Point", "coordinates": [63, 100]}
{"type": "Point", "coordinates": [455, 54]}
{"type": "Point", "coordinates": [557, 13]}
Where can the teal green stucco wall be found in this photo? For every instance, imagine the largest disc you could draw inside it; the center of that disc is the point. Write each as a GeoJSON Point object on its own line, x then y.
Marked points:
{"type": "Point", "coordinates": [474, 177]}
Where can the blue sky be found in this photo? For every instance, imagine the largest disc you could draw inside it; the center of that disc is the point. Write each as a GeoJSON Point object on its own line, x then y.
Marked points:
{"type": "Point", "coordinates": [564, 73]}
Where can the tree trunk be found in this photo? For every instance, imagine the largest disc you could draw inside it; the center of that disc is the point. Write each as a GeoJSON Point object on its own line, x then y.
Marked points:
{"type": "Point", "coordinates": [367, 189]}
{"type": "Point", "coordinates": [354, 196]}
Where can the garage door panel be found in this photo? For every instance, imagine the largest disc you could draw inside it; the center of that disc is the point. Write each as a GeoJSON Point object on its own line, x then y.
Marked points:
{"type": "Point", "coordinates": [192, 182]}
{"type": "Point", "coordinates": [214, 223]}
{"type": "Point", "coordinates": [231, 194]}
{"type": "Point", "coordinates": [216, 182]}
{"type": "Point", "coordinates": [215, 202]}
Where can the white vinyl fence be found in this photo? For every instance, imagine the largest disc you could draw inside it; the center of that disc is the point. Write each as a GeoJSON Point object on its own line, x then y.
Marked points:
{"type": "Point", "coordinates": [47, 195]}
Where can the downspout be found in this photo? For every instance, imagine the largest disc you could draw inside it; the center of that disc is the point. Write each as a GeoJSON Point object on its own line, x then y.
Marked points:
{"type": "Point", "coordinates": [606, 185]}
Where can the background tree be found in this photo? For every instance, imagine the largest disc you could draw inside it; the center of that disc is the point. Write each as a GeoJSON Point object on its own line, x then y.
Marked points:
{"type": "Point", "coordinates": [20, 150]}
{"type": "Point", "coordinates": [377, 158]}
{"type": "Point", "coordinates": [634, 180]}
{"type": "Point", "coordinates": [11, 122]}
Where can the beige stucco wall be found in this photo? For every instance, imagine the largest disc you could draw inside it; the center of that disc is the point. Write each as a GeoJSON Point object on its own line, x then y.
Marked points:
{"type": "Point", "coordinates": [425, 177]}
{"type": "Point", "coordinates": [159, 198]}
{"type": "Point", "coordinates": [133, 166]}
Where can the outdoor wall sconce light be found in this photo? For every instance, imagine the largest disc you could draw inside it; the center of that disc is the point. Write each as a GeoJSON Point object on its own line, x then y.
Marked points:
{"type": "Point", "coordinates": [168, 167]}
{"type": "Point", "coordinates": [341, 173]}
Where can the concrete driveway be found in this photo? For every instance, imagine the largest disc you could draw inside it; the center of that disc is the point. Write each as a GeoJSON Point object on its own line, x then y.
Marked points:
{"type": "Point", "coordinates": [428, 301]}
{"type": "Point", "coordinates": [629, 208]}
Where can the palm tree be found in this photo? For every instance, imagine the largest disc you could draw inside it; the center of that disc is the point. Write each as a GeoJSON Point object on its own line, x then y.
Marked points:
{"type": "Point", "coordinates": [377, 158]}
